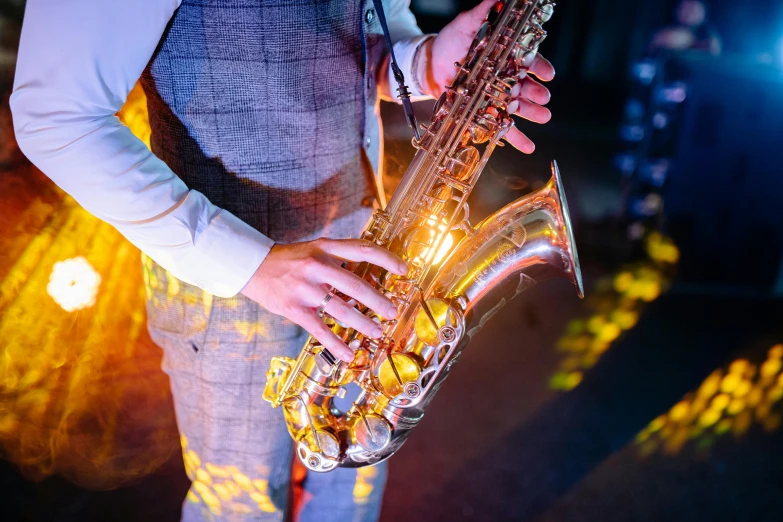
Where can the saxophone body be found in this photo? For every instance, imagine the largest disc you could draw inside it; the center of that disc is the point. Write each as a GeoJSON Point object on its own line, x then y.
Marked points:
{"type": "Point", "coordinates": [459, 274]}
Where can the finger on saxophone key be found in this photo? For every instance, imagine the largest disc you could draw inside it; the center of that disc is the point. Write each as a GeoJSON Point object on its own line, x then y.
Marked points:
{"type": "Point", "coordinates": [349, 316]}
{"type": "Point", "coordinates": [357, 288]}
{"type": "Point", "coordinates": [362, 250]}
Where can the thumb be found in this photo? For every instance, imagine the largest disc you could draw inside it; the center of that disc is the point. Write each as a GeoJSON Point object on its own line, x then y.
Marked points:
{"type": "Point", "coordinates": [476, 16]}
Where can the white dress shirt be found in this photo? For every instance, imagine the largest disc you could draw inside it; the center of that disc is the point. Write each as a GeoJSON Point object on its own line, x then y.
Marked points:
{"type": "Point", "coordinates": [77, 62]}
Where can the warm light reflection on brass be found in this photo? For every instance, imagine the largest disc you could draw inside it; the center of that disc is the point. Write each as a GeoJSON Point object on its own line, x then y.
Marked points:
{"type": "Point", "coordinates": [81, 393]}
{"type": "Point", "coordinates": [729, 401]}
{"type": "Point", "coordinates": [444, 249]}
{"type": "Point", "coordinates": [445, 246]}
{"type": "Point", "coordinates": [615, 305]}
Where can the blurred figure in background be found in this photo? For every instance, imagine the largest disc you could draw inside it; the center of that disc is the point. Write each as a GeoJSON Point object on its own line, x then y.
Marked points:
{"type": "Point", "coordinates": [690, 32]}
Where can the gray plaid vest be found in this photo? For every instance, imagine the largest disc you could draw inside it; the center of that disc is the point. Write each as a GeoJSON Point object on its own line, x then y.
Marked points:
{"type": "Point", "coordinates": [266, 107]}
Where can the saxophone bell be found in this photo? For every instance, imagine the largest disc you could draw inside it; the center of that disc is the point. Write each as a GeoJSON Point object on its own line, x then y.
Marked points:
{"type": "Point", "coordinates": [525, 242]}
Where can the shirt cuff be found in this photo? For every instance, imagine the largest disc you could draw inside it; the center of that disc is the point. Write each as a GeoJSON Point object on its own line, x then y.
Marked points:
{"type": "Point", "coordinates": [234, 246]}
{"type": "Point", "coordinates": [405, 52]}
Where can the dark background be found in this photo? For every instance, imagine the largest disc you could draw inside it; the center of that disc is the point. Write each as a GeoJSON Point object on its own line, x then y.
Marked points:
{"type": "Point", "coordinates": [503, 441]}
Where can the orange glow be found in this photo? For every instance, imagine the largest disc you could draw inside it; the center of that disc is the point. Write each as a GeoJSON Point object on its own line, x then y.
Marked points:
{"type": "Point", "coordinates": [81, 390]}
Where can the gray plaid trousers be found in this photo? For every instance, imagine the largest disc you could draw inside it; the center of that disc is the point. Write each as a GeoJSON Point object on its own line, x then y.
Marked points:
{"type": "Point", "coordinates": [266, 108]}
{"type": "Point", "coordinates": [236, 447]}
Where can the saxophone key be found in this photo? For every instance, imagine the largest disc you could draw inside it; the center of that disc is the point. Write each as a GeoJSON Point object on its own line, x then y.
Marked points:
{"type": "Point", "coordinates": [397, 371]}
{"type": "Point", "coordinates": [372, 432]}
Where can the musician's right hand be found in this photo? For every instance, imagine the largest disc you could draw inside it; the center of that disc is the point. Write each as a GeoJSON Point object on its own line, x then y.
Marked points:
{"type": "Point", "coordinates": [294, 279]}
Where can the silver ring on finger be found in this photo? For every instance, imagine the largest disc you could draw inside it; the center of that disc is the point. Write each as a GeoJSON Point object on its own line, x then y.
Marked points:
{"type": "Point", "coordinates": [324, 302]}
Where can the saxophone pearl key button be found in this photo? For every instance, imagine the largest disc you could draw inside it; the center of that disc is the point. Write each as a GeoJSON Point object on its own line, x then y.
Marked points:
{"type": "Point", "coordinates": [372, 432]}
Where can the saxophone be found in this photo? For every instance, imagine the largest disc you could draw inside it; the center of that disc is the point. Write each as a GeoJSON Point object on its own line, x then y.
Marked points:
{"type": "Point", "coordinates": [459, 275]}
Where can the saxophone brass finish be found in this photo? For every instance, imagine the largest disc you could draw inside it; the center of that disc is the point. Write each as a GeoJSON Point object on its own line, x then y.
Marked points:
{"type": "Point", "coordinates": [459, 275]}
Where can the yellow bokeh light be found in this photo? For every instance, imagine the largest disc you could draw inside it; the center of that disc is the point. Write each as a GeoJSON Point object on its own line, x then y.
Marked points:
{"type": "Point", "coordinates": [679, 411]}
{"type": "Point", "coordinates": [725, 403]}
{"type": "Point", "coordinates": [739, 366]}
{"type": "Point", "coordinates": [720, 402]}
{"type": "Point", "coordinates": [73, 284]}
{"type": "Point", "coordinates": [625, 319]}
{"type": "Point", "coordinates": [709, 417]}
{"type": "Point", "coordinates": [596, 323]}
{"type": "Point", "coordinates": [623, 281]}
{"type": "Point", "coordinates": [711, 384]}
{"type": "Point", "coordinates": [735, 406]}
{"type": "Point", "coordinates": [754, 396]}
{"type": "Point", "coordinates": [730, 382]}
{"type": "Point", "coordinates": [742, 389]}
{"type": "Point", "coordinates": [609, 332]}
{"type": "Point", "coordinates": [770, 368]}
{"type": "Point", "coordinates": [615, 306]}
{"type": "Point", "coordinates": [662, 249]}
{"type": "Point", "coordinates": [203, 476]}
{"type": "Point", "coordinates": [775, 394]}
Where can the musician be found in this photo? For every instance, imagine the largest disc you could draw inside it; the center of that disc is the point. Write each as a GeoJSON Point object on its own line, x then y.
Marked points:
{"type": "Point", "coordinates": [266, 150]}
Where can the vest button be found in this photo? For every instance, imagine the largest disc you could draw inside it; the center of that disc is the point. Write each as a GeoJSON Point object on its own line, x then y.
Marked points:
{"type": "Point", "coordinates": [369, 16]}
{"type": "Point", "coordinates": [367, 142]}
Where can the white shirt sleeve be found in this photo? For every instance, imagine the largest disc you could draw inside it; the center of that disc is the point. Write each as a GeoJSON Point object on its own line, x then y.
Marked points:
{"type": "Point", "coordinates": [77, 62]}
{"type": "Point", "coordinates": [406, 39]}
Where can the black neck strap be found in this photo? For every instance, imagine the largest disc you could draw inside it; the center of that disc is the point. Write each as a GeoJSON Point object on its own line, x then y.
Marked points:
{"type": "Point", "coordinates": [404, 94]}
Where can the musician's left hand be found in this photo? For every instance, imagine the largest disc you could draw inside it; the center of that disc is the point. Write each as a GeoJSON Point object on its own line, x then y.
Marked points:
{"type": "Point", "coordinates": [452, 44]}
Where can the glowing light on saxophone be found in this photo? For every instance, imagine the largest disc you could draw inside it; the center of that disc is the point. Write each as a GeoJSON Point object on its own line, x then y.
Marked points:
{"type": "Point", "coordinates": [445, 247]}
